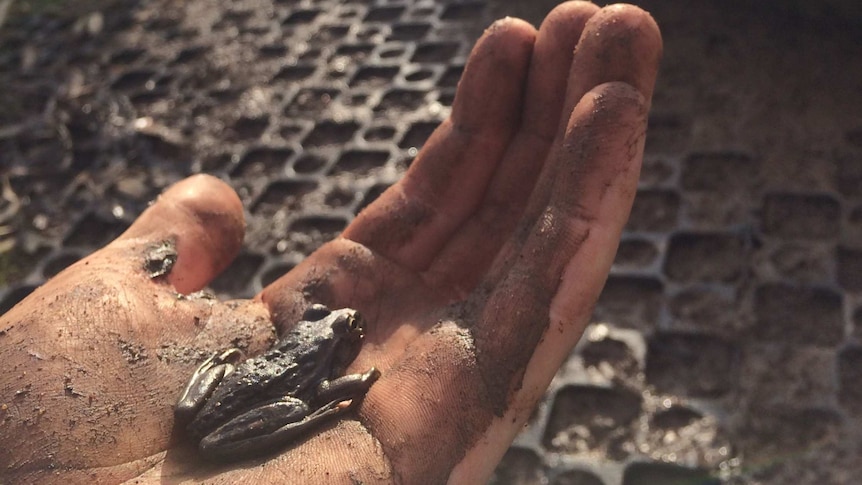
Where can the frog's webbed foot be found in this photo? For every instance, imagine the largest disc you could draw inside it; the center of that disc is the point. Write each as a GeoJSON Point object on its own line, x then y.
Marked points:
{"type": "Point", "coordinates": [204, 381]}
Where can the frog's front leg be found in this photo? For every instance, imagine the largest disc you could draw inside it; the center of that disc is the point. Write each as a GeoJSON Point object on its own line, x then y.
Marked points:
{"type": "Point", "coordinates": [352, 387]}
{"type": "Point", "coordinates": [204, 381]}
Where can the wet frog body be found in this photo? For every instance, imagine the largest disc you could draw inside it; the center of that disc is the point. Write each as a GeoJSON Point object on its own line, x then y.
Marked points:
{"type": "Point", "coordinates": [238, 409]}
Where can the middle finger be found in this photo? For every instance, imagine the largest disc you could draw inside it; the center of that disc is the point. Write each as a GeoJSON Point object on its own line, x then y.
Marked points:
{"type": "Point", "coordinates": [463, 261]}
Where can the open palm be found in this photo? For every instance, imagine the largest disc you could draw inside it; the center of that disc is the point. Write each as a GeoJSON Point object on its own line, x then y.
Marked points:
{"type": "Point", "coordinates": [476, 273]}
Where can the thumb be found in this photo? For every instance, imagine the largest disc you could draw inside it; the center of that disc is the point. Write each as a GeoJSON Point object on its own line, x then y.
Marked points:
{"type": "Point", "coordinates": [100, 350]}
{"type": "Point", "coordinates": [195, 229]}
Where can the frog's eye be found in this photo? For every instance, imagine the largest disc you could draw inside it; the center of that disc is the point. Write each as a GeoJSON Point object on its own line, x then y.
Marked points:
{"type": "Point", "coordinates": [354, 322]}
{"type": "Point", "coordinates": [316, 312]}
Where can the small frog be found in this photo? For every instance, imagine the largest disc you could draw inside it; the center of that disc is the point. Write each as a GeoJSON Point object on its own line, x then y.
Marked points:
{"type": "Point", "coordinates": [236, 410]}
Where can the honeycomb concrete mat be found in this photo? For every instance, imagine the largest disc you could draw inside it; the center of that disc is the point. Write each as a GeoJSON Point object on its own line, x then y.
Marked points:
{"type": "Point", "coordinates": [726, 347]}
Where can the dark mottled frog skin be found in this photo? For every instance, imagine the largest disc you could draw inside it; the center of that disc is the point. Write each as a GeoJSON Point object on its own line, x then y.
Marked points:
{"type": "Point", "coordinates": [236, 410]}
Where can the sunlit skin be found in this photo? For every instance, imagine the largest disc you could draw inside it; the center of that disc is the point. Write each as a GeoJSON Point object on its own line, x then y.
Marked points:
{"type": "Point", "coordinates": [476, 275]}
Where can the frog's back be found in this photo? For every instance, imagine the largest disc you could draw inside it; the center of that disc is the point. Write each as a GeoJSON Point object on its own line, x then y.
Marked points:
{"type": "Point", "coordinates": [291, 368]}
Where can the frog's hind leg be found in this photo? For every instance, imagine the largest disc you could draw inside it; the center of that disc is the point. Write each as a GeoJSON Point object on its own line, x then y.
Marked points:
{"type": "Point", "coordinates": [264, 429]}
{"type": "Point", "coordinates": [275, 424]}
{"type": "Point", "coordinates": [204, 381]}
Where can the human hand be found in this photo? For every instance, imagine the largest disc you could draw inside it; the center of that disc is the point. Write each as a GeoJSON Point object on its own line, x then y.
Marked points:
{"type": "Point", "coordinates": [476, 273]}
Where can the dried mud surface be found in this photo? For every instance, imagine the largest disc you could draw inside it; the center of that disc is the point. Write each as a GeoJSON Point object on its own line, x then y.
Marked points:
{"type": "Point", "coordinates": [729, 345]}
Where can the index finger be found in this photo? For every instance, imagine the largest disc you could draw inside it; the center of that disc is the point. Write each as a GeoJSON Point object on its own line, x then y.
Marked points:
{"type": "Point", "coordinates": [411, 221]}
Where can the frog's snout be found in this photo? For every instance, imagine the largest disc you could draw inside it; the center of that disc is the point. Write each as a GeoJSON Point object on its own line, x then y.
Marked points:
{"type": "Point", "coordinates": [348, 324]}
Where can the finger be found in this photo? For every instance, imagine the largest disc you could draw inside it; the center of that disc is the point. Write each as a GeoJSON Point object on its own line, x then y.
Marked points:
{"type": "Point", "coordinates": [470, 251]}
{"type": "Point", "coordinates": [619, 43]}
{"type": "Point", "coordinates": [452, 371]}
{"type": "Point", "coordinates": [187, 236]}
{"type": "Point", "coordinates": [120, 345]}
{"type": "Point", "coordinates": [200, 221]}
{"type": "Point", "coordinates": [549, 67]}
{"type": "Point", "coordinates": [537, 312]}
{"type": "Point", "coordinates": [412, 220]}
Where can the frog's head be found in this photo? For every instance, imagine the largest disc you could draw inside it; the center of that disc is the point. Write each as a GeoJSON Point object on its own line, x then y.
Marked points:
{"type": "Point", "coordinates": [347, 329]}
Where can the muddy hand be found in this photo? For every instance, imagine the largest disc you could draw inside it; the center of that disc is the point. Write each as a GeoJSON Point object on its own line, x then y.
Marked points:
{"type": "Point", "coordinates": [479, 270]}
{"type": "Point", "coordinates": [476, 274]}
{"type": "Point", "coordinates": [94, 359]}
